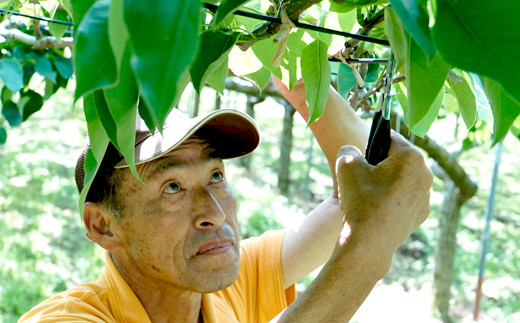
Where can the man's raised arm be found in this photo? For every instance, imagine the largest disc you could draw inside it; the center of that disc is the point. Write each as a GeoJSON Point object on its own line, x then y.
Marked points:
{"type": "Point", "coordinates": [309, 245]}
{"type": "Point", "coordinates": [382, 205]}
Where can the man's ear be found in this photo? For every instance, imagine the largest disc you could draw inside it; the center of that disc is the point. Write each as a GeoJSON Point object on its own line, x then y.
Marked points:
{"type": "Point", "coordinates": [97, 221]}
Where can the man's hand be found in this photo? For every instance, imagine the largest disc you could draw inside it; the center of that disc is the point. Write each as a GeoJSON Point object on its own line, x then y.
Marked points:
{"type": "Point", "coordinates": [383, 204]}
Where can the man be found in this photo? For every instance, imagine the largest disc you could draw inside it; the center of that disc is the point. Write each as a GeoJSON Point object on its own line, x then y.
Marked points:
{"type": "Point", "coordinates": [172, 241]}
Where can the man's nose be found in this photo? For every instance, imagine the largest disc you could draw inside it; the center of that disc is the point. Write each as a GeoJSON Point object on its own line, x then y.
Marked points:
{"type": "Point", "coordinates": [207, 209]}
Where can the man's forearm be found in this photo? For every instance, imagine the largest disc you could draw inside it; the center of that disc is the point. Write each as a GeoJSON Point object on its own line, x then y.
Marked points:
{"type": "Point", "coordinates": [341, 287]}
{"type": "Point", "coordinates": [339, 125]}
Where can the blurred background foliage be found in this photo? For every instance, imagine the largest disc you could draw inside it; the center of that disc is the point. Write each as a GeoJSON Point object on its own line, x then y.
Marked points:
{"type": "Point", "coordinates": [43, 249]}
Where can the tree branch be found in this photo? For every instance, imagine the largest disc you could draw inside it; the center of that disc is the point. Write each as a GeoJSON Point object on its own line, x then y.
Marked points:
{"type": "Point", "coordinates": [377, 88]}
{"type": "Point", "coordinates": [37, 43]}
{"type": "Point", "coordinates": [448, 162]}
{"type": "Point", "coordinates": [444, 159]}
{"type": "Point", "coordinates": [267, 29]}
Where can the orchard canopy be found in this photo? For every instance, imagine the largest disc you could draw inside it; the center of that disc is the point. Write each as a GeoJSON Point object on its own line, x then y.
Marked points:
{"type": "Point", "coordinates": [134, 55]}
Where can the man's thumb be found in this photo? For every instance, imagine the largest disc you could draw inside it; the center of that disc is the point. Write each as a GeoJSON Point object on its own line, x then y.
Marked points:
{"type": "Point", "coordinates": [349, 159]}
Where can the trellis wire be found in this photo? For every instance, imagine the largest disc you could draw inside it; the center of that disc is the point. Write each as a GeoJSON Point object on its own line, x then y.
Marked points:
{"type": "Point", "coordinates": [369, 39]}
{"type": "Point", "coordinates": [54, 21]}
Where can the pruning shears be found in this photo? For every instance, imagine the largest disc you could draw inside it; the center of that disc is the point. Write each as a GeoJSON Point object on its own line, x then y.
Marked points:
{"type": "Point", "coordinates": [379, 139]}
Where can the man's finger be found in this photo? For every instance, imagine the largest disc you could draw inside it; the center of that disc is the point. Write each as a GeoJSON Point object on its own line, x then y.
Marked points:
{"type": "Point", "coordinates": [397, 143]}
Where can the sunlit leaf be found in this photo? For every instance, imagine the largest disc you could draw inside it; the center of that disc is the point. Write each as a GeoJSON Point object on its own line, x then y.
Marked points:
{"type": "Point", "coordinates": [265, 51]}
{"type": "Point", "coordinates": [415, 19]}
{"type": "Point", "coordinates": [172, 27]}
{"type": "Point", "coordinates": [422, 127]}
{"type": "Point", "coordinates": [11, 113]}
{"type": "Point", "coordinates": [347, 20]}
{"type": "Point", "coordinates": [505, 108]}
{"type": "Point", "coordinates": [465, 98]}
{"type": "Point", "coordinates": [226, 7]}
{"type": "Point", "coordinates": [316, 76]}
{"type": "Point", "coordinates": [11, 73]}
{"type": "Point", "coordinates": [94, 60]}
{"type": "Point", "coordinates": [121, 103]}
{"type": "Point", "coordinates": [482, 37]}
{"type": "Point", "coordinates": [214, 50]}
{"type": "Point", "coordinates": [397, 37]}
{"type": "Point", "coordinates": [293, 53]}
{"type": "Point", "coordinates": [58, 30]}
{"type": "Point", "coordinates": [424, 79]}
{"type": "Point", "coordinates": [243, 62]}
{"type": "Point", "coordinates": [483, 106]}
{"type": "Point", "coordinates": [98, 145]}
{"type": "Point", "coordinates": [117, 32]}
{"type": "Point", "coordinates": [217, 79]}
{"type": "Point", "coordinates": [260, 78]}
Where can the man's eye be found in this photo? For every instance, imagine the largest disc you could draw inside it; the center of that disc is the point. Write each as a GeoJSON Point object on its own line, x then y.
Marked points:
{"type": "Point", "coordinates": [172, 188]}
{"type": "Point", "coordinates": [217, 177]}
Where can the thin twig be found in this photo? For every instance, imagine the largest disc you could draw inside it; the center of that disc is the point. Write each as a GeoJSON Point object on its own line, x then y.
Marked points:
{"type": "Point", "coordinates": [38, 44]}
{"type": "Point", "coordinates": [378, 87]}
{"type": "Point", "coordinates": [272, 25]}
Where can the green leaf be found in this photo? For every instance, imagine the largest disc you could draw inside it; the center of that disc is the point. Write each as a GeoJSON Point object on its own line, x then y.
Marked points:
{"type": "Point", "coordinates": [264, 51]}
{"type": "Point", "coordinates": [58, 30]}
{"type": "Point", "coordinates": [422, 127]}
{"type": "Point", "coordinates": [397, 37]}
{"type": "Point", "coordinates": [346, 80]}
{"type": "Point", "coordinates": [165, 39]}
{"type": "Point", "coordinates": [117, 32]}
{"type": "Point", "coordinates": [66, 5]}
{"type": "Point", "coordinates": [33, 104]}
{"type": "Point", "coordinates": [3, 135]}
{"type": "Point", "coordinates": [226, 7]}
{"type": "Point", "coordinates": [465, 97]}
{"type": "Point", "coordinates": [79, 9]}
{"type": "Point", "coordinates": [98, 145]}
{"type": "Point", "coordinates": [217, 80]}
{"type": "Point", "coordinates": [6, 94]}
{"type": "Point", "coordinates": [293, 52]}
{"type": "Point", "coordinates": [372, 73]}
{"type": "Point", "coordinates": [347, 20]}
{"type": "Point", "coordinates": [415, 18]}
{"type": "Point", "coordinates": [121, 102]}
{"type": "Point", "coordinates": [95, 62]}
{"type": "Point", "coordinates": [316, 77]}
{"type": "Point", "coordinates": [482, 37]}
{"type": "Point", "coordinates": [11, 113]}
{"type": "Point", "coordinates": [424, 79]}
{"type": "Point", "coordinates": [11, 73]}
{"type": "Point", "coordinates": [63, 66]}
{"type": "Point", "coordinates": [260, 78]}
{"type": "Point", "coordinates": [505, 108]}
{"type": "Point", "coordinates": [483, 106]}
{"type": "Point", "coordinates": [43, 67]}
{"type": "Point", "coordinates": [214, 50]}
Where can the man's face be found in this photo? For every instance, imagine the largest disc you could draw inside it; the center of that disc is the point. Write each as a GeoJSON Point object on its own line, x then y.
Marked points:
{"type": "Point", "coordinates": [180, 227]}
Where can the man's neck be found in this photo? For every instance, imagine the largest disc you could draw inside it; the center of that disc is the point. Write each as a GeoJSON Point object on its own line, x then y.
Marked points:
{"type": "Point", "coordinates": [162, 302]}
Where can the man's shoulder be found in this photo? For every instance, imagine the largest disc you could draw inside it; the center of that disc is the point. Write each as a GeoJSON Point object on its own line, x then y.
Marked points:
{"type": "Point", "coordinates": [83, 303]}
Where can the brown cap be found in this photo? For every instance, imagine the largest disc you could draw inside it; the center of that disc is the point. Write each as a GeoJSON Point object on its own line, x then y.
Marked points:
{"type": "Point", "coordinates": [231, 132]}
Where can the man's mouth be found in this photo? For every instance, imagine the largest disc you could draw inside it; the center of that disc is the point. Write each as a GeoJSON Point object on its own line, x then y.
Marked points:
{"type": "Point", "coordinates": [215, 247]}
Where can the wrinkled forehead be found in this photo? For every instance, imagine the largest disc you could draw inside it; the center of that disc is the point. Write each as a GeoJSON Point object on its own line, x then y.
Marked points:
{"type": "Point", "coordinates": [193, 149]}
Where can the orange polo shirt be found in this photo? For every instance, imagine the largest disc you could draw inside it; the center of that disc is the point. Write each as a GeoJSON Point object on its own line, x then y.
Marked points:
{"type": "Point", "coordinates": [257, 295]}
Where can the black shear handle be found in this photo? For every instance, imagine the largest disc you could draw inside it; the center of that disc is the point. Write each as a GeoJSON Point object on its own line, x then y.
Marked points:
{"type": "Point", "coordinates": [379, 140]}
